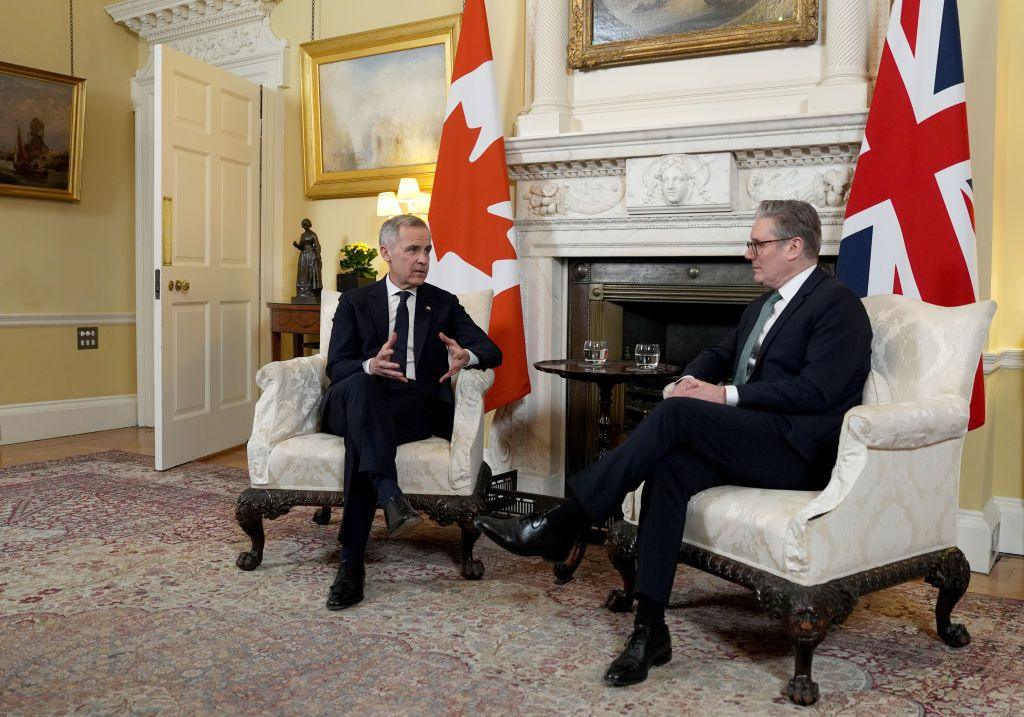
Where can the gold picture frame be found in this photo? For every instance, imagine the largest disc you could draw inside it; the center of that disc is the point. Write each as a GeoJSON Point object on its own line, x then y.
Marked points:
{"type": "Point", "coordinates": [42, 119]}
{"type": "Point", "coordinates": [621, 43]}
{"type": "Point", "coordinates": [373, 106]}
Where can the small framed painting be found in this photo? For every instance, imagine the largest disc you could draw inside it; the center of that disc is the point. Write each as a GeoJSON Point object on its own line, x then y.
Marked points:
{"type": "Point", "coordinates": [604, 33]}
{"type": "Point", "coordinates": [41, 122]}
{"type": "Point", "coordinates": [373, 105]}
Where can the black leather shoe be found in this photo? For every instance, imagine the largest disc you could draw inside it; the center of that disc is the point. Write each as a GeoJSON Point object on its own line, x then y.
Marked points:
{"type": "Point", "coordinates": [347, 589]}
{"type": "Point", "coordinates": [648, 646]}
{"type": "Point", "coordinates": [400, 516]}
{"type": "Point", "coordinates": [530, 536]}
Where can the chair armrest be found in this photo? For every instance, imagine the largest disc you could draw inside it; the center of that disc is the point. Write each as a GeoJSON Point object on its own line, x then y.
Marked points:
{"type": "Point", "coordinates": [467, 446]}
{"type": "Point", "coordinates": [911, 424]}
{"type": "Point", "coordinates": [289, 406]}
{"type": "Point", "coordinates": [905, 426]}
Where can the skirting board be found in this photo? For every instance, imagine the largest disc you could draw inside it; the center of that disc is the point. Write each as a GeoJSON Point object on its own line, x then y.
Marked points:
{"type": "Point", "coordinates": [977, 535]}
{"type": "Point", "coordinates": [20, 422]}
{"type": "Point", "coordinates": [1011, 525]}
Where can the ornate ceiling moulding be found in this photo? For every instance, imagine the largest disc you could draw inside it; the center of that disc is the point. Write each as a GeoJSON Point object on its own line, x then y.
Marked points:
{"type": "Point", "coordinates": [165, 20]}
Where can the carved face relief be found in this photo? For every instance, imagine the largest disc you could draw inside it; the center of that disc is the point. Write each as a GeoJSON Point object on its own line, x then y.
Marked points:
{"type": "Point", "coordinates": [675, 185]}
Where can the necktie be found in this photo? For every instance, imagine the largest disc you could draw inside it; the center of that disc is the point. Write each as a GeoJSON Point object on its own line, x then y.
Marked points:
{"type": "Point", "coordinates": [749, 354]}
{"type": "Point", "coordinates": [401, 346]}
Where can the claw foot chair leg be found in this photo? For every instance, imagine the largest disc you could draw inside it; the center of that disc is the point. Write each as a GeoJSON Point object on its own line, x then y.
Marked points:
{"type": "Point", "coordinates": [472, 569]}
{"type": "Point", "coordinates": [621, 547]}
{"type": "Point", "coordinates": [805, 633]}
{"type": "Point", "coordinates": [253, 505]}
{"type": "Point", "coordinates": [322, 515]}
{"type": "Point", "coordinates": [565, 571]}
{"type": "Point", "coordinates": [951, 574]}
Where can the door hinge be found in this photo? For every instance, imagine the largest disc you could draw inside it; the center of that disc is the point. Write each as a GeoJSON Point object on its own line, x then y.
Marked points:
{"type": "Point", "coordinates": [157, 283]}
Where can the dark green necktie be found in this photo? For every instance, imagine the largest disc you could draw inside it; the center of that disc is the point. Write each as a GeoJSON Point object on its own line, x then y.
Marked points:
{"type": "Point", "coordinates": [749, 354]}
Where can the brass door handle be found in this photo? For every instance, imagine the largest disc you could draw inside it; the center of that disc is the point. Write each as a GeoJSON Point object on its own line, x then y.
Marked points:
{"type": "Point", "coordinates": [177, 285]}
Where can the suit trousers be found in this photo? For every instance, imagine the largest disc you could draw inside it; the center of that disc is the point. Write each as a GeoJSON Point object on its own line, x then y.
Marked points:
{"type": "Point", "coordinates": [376, 415]}
{"type": "Point", "coordinates": [682, 448]}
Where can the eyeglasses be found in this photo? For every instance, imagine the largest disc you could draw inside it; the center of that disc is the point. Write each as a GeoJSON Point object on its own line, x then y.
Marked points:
{"type": "Point", "coordinates": [754, 246]}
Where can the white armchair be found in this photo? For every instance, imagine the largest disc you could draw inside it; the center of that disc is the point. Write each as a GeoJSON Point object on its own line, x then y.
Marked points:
{"type": "Point", "coordinates": [889, 511]}
{"type": "Point", "coordinates": [291, 463]}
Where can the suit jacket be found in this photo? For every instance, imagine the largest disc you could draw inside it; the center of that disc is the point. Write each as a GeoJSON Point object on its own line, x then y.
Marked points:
{"type": "Point", "coordinates": [361, 328]}
{"type": "Point", "coordinates": [811, 366]}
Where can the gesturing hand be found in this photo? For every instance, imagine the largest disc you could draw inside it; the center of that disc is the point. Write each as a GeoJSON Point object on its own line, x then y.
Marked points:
{"type": "Point", "coordinates": [690, 387]}
{"type": "Point", "coordinates": [382, 365]}
{"type": "Point", "coordinates": [458, 357]}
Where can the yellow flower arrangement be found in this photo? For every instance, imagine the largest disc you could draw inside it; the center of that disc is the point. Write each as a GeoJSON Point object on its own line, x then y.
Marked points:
{"type": "Point", "coordinates": [356, 259]}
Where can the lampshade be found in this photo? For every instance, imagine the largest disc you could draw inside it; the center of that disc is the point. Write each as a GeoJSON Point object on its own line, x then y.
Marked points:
{"type": "Point", "coordinates": [422, 204]}
{"type": "Point", "coordinates": [408, 189]}
{"type": "Point", "coordinates": [387, 204]}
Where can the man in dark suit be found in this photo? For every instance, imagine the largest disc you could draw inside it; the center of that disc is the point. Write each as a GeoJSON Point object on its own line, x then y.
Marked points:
{"type": "Point", "coordinates": [394, 346]}
{"type": "Point", "coordinates": [797, 361]}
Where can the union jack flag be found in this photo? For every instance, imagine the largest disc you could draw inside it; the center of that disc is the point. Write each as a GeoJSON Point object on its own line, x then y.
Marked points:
{"type": "Point", "coordinates": [909, 225]}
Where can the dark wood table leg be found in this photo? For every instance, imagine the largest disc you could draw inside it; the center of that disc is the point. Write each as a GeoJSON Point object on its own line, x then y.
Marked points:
{"type": "Point", "coordinates": [604, 418]}
{"type": "Point", "coordinates": [275, 345]}
{"type": "Point", "coordinates": [297, 345]}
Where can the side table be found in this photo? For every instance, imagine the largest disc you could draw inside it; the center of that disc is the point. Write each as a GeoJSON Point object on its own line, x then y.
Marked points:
{"type": "Point", "coordinates": [295, 319]}
{"type": "Point", "coordinates": [606, 376]}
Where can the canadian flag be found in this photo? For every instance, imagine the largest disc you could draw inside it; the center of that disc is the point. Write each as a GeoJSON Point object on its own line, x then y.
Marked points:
{"type": "Point", "coordinates": [470, 212]}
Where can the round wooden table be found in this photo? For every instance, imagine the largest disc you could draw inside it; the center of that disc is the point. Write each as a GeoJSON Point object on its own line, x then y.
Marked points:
{"type": "Point", "coordinates": [606, 376]}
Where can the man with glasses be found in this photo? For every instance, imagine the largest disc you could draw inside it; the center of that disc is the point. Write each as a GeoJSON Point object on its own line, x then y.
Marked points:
{"type": "Point", "coordinates": [762, 408]}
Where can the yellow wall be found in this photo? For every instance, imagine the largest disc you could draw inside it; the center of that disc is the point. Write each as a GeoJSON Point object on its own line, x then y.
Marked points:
{"type": "Point", "coordinates": [994, 455]}
{"type": "Point", "coordinates": [72, 257]}
{"type": "Point", "coordinates": [341, 221]}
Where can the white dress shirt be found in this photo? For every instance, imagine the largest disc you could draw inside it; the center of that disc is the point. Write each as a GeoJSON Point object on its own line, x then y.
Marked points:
{"type": "Point", "coordinates": [393, 301]}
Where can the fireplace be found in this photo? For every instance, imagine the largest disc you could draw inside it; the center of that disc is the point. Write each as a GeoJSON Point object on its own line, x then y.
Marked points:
{"type": "Point", "coordinates": [606, 253]}
{"type": "Point", "coordinates": [682, 304]}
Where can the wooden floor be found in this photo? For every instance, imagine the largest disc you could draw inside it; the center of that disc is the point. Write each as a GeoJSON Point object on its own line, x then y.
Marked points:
{"type": "Point", "coordinates": [1005, 580]}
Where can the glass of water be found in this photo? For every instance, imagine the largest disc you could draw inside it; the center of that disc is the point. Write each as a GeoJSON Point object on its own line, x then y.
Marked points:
{"type": "Point", "coordinates": [647, 356]}
{"type": "Point", "coordinates": [595, 353]}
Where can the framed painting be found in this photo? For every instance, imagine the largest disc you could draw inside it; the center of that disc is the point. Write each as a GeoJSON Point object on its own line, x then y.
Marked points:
{"type": "Point", "coordinates": [41, 121]}
{"type": "Point", "coordinates": [604, 33]}
{"type": "Point", "coordinates": [373, 105]}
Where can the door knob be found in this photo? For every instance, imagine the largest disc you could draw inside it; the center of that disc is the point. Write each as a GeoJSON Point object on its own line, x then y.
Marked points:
{"type": "Point", "coordinates": [170, 286]}
{"type": "Point", "coordinates": [184, 286]}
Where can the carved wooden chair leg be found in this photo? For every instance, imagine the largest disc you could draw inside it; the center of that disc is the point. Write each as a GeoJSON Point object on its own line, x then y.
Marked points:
{"type": "Point", "coordinates": [951, 574]}
{"type": "Point", "coordinates": [621, 547]}
{"type": "Point", "coordinates": [472, 569]}
{"type": "Point", "coordinates": [322, 515]}
{"type": "Point", "coordinates": [805, 630]}
{"type": "Point", "coordinates": [253, 505]}
{"type": "Point", "coordinates": [565, 571]}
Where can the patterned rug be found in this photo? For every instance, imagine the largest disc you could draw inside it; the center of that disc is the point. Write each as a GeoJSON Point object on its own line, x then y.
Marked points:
{"type": "Point", "coordinates": [119, 596]}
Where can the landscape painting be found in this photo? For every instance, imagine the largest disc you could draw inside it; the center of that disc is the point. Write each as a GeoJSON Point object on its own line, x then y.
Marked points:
{"type": "Point", "coordinates": [618, 32]}
{"type": "Point", "coordinates": [373, 105]}
{"type": "Point", "coordinates": [384, 110]}
{"type": "Point", "coordinates": [41, 117]}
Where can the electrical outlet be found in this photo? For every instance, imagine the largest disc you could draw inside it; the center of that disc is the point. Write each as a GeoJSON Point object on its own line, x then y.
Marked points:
{"type": "Point", "coordinates": [88, 337]}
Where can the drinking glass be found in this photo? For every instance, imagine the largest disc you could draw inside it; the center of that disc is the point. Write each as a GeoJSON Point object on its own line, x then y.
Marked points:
{"type": "Point", "coordinates": [595, 353]}
{"type": "Point", "coordinates": [647, 356]}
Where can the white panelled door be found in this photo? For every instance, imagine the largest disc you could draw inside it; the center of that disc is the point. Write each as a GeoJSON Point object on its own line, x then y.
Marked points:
{"type": "Point", "coordinates": [207, 251]}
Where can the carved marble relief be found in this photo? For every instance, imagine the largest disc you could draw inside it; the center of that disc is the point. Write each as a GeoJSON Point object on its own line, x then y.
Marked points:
{"type": "Point", "coordinates": [680, 183]}
{"type": "Point", "coordinates": [826, 188]}
{"type": "Point", "coordinates": [583, 197]}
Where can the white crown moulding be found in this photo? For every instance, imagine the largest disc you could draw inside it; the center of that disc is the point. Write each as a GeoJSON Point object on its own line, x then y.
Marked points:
{"type": "Point", "coordinates": [163, 20]}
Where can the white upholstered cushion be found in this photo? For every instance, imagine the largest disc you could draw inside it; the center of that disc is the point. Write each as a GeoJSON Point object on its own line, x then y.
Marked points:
{"type": "Point", "coordinates": [316, 462]}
